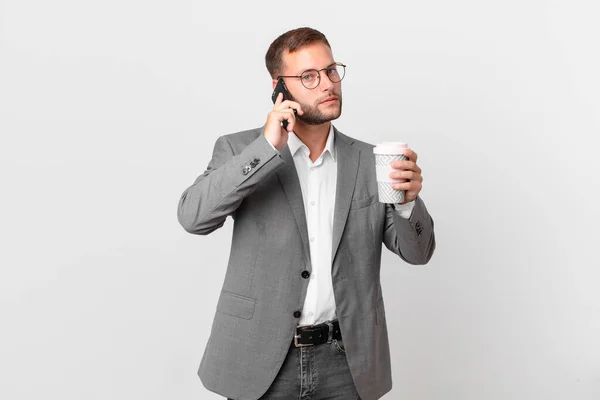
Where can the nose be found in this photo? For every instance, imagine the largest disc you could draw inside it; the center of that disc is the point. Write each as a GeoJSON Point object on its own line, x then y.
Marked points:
{"type": "Point", "coordinates": [326, 83]}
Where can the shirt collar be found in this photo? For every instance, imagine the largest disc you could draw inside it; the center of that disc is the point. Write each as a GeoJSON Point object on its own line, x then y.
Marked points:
{"type": "Point", "coordinates": [294, 143]}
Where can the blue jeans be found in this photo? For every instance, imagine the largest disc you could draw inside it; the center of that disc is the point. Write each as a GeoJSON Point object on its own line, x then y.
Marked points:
{"type": "Point", "coordinates": [318, 372]}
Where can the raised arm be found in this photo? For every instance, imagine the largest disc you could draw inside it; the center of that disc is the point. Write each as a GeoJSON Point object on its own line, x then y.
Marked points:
{"type": "Point", "coordinates": [228, 179]}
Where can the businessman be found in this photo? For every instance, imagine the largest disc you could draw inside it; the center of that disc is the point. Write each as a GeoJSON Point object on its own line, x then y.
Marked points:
{"type": "Point", "coordinates": [301, 313]}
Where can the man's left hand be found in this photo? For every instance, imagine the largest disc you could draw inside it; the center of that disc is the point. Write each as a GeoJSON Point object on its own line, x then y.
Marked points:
{"type": "Point", "coordinates": [409, 170]}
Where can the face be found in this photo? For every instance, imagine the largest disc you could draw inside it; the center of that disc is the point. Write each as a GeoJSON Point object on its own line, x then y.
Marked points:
{"type": "Point", "coordinates": [322, 104]}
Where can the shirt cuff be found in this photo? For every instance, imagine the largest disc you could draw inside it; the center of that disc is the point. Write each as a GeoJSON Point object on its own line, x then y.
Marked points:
{"type": "Point", "coordinates": [404, 210]}
{"type": "Point", "coordinates": [268, 141]}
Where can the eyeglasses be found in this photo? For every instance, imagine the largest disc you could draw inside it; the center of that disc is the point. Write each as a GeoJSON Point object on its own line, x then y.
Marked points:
{"type": "Point", "coordinates": [312, 77]}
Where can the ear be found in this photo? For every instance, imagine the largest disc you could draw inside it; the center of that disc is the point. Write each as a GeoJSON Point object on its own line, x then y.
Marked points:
{"type": "Point", "coordinates": [274, 83]}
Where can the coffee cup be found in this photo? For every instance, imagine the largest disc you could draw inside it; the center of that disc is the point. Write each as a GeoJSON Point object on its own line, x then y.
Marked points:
{"type": "Point", "coordinates": [385, 154]}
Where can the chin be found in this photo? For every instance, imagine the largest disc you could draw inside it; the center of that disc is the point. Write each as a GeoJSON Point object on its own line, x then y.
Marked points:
{"type": "Point", "coordinates": [337, 114]}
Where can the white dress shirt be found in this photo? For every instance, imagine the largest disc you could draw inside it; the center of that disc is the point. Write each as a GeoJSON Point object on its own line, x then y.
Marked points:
{"type": "Point", "coordinates": [318, 183]}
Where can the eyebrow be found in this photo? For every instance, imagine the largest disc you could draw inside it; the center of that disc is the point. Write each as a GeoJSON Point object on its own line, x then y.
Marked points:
{"type": "Point", "coordinates": [318, 69]}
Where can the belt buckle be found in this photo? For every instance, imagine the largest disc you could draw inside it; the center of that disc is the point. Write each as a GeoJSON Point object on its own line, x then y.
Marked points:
{"type": "Point", "coordinates": [296, 337]}
{"type": "Point", "coordinates": [330, 334]}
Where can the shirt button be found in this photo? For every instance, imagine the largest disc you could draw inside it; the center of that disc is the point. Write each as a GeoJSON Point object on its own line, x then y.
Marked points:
{"type": "Point", "coordinates": [310, 313]}
{"type": "Point", "coordinates": [312, 239]}
{"type": "Point", "coordinates": [305, 274]}
{"type": "Point", "coordinates": [312, 203]}
{"type": "Point", "coordinates": [297, 314]}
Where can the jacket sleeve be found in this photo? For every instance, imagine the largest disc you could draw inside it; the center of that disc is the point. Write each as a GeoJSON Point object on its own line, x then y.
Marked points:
{"type": "Point", "coordinates": [228, 179]}
{"type": "Point", "coordinates": [412, 239]}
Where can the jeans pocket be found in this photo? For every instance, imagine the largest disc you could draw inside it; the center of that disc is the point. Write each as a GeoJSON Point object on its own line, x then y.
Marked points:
{"type": "Point", "coordinates": [339, 346]}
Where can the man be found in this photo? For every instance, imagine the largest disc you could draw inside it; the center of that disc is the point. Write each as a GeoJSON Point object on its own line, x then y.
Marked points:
{"type": "Point", "coordinates": [301, 312]}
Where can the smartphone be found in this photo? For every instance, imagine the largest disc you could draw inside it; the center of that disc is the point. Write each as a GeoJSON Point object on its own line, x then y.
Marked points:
{"type": "Point", "coordinates": [281, 88]}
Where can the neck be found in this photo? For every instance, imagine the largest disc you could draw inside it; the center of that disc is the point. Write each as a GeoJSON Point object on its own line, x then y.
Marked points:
{"type": "Point", "coordinates": [313, 136]}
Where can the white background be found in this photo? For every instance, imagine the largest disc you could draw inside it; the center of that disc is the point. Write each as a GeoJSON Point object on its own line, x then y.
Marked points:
{"type": "Point", "coordinates": [110, 109]}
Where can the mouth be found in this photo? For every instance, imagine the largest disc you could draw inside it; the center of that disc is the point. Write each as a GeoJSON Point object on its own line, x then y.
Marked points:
{"type": "Point", "coordinates": [329, 100]}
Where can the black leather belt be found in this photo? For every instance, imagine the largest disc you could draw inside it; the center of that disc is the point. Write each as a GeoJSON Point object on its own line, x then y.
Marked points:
{"type": "Point", "coordinates": [310, 335]}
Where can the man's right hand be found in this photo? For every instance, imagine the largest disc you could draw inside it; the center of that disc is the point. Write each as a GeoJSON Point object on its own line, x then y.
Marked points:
{"type": "Point", "coordinates": [282, 110]}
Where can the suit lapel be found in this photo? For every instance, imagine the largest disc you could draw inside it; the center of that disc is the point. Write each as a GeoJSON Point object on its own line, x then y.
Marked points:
{"type": "Point", "coordinates": [348, 160]}
{"type": "Point", "coordinates": [291, 186]}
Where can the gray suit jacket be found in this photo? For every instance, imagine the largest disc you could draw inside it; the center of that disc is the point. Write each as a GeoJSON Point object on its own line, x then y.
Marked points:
{"type": "Point", "coordinates": [254, 322]}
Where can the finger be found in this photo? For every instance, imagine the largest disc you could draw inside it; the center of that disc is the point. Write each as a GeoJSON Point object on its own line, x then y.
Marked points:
{"type": "Point", "coordinates": [412, 188]}
{"type": "Point", "coordinates": [278, 100]}
{"type": "Point", "coordinates": [412, 156]}
{"type": "Point", "coordinates": [403, 174]}
{"type": "Point", "coordinates": [401, 185]}
{"type": "Point", "coordinates": [283, 113]}
{"type": "Point", "coordinates": [291, 104]}
{"type": "Point", "coordinates": [289, 116]}
{"type": "Point", "coordinates": [405, 165]}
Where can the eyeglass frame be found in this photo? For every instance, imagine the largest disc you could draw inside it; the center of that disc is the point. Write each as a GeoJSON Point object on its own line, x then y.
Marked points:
{"type": "Point", "coordinates": [339, 64]}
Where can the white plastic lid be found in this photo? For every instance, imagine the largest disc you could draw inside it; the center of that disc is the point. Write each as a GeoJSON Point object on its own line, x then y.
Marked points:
{"type": "Point", "coordinates": [390, 148]}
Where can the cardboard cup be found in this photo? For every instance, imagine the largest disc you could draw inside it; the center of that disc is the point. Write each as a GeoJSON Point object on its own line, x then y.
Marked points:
{"type": "Point", "coordinates": [385, 154]}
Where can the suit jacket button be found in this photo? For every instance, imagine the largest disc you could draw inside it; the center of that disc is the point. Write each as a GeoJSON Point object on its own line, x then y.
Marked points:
{"type": "Point", "coordinates": [297, 314]}
{"type": "Point", "coordinates": [246, 170]}
{"type": "Point", "coordinates": [305, 274]}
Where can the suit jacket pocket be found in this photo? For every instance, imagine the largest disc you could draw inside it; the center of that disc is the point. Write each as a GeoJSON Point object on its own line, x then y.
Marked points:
{"type": "Point", "coordinates": [361, 203]}
{"type": "Point", "coordinates": [236, 305]}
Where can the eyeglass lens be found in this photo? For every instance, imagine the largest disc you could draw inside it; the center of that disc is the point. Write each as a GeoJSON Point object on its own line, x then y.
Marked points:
{"type": "Point", "coordinates": [311, 78]}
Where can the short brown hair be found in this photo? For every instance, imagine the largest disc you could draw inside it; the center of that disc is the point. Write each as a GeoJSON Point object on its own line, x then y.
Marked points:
{"type": "Point", "coordinates": [291, 41]}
